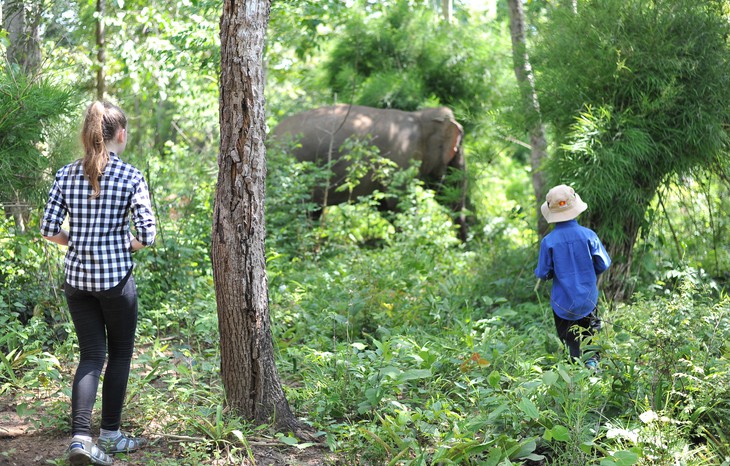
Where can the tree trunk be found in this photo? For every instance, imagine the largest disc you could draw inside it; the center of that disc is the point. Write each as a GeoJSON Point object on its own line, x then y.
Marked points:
{"type": "Point", "coordinates": [447, 6]}
{"type": "Point", "coordinates": [19, 211]}
{"type": "Point", "coordinates": [531, 106]}
{"type": "Point", "coordinates": [21, 19]}
{"type": "Point", "coordinates": [573, 5]}
{"type": "Point", "coordinates": [617, 283]}
{"type": "Point", "coordinates": [249, 373]}
{"type": "Point", "coordinates": [100, 49]}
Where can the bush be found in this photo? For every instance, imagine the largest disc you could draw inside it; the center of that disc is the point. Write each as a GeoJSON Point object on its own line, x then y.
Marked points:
{"type": "Point", "coordinates": [669, 359]}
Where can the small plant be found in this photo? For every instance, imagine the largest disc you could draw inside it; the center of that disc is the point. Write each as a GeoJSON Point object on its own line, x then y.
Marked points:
{"type": "Point", "coordinates": [678, 379]}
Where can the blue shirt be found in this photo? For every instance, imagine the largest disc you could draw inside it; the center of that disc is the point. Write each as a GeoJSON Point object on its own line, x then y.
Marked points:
{"type": "Point", "coordinates": [573, 257]}
{"type": "Point", "coordinates": [99, 254]}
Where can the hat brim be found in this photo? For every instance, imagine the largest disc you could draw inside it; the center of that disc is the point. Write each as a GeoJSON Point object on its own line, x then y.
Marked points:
{"type": "Point", "coordinates": [564, 215]}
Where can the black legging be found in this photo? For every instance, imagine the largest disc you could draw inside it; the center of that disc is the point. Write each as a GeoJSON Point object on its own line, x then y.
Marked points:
{"type": "Point", "coordinates": [99, 318]}
{"type": "Point", "coordinates": [572, 337]}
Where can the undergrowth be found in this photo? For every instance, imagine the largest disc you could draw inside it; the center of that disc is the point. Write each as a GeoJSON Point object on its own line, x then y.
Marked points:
{"type": "Point", "coordinates": [413, 349]}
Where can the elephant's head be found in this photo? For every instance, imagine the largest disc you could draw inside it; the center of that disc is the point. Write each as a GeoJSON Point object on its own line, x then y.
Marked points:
{"type": "Point", "coordinates": [441, 138]}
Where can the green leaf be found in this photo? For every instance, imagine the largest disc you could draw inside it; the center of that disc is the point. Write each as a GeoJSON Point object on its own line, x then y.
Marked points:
{"type": "Point", "coordinates": [564, 374]}
{"type": "Point", "coordinates": [414, 374]}
{"type": "Point", "coordinates": [549, 378]}
{"type": "Point", "coordinates": [23, 410]}
{"type": "Point", "coordinates": [239, 435]}
{"type": "Point", "coordinates": [528, 407]}
{"type": "Point", "coordinates": [494, 378]}
{"type": "Point", "coordinates": [305, 445]}
{"type": "Point", "coordinates": [495, 413]}
{"type": "Point", "coordinates": [477, 449]}
{"type": "Point", "coordinates": [525, 449]}
{"type": "Point", "coordinates": [495, 455]}
{"type": "Point", "coordinates": [587, 447]}
{"type": "Point", "coordinates": [560, 433]}
{"type": "Point", "coordinates": [288, 440]}
{"type": "Point", "coordinates": [625, 458]}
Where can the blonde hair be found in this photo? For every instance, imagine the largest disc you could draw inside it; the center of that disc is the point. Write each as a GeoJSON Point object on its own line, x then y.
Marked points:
{"type": "Point", "coordinates": [101, 124]}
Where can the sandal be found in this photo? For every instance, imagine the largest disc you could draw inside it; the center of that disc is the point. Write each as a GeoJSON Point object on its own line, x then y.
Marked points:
{"type": "Point", "coordinates": [592, 364]}
{"type": "Point", "coordinates": [121, 444]}
{"type": "Point", "coordinates": [84, 452]}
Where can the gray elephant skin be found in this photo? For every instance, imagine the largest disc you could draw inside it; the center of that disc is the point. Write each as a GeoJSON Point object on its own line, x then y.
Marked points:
{"type": "Point", "coordinates": [431, 136]}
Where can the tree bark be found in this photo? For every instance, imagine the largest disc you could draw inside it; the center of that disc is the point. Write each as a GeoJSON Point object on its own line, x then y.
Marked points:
{"type": "Point", "coordinates": [100, 49]}
{"type": "Point", "coordinates": [249, 373]}
{"type": "Point", "coordinates": [531, 106]}
{"type": "Point", "coordinates": [21, 20]}
{"type": "Point", "coordinates": [616, 282]}
{"type": "Point", "coordinates": [448, 10]}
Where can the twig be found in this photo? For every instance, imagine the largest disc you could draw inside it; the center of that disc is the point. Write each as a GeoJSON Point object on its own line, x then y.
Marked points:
{"type": "Point", "coordinates": [256, 443]}
{"type": "Point", "coordinates": [184, 438]}
{"type": "Point", "coordinates": [517, 141]}
{"type": "Point", "coordinates": [181, 133]}
{"type": "Point", "coordinates": [671, 228]}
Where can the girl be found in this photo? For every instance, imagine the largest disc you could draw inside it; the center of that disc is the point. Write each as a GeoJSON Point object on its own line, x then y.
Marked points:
{"type": "Point", "coordinates": [98, 193]}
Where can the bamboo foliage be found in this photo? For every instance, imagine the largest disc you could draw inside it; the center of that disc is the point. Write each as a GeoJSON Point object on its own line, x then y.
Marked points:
{"type": "Point", "coordinates": [635, 92]}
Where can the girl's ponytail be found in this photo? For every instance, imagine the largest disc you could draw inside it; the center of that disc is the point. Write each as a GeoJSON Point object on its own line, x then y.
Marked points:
{"type": "Point", "coordinates": [101, 124]}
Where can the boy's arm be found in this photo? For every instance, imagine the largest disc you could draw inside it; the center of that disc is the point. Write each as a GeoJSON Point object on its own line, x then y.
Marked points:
{"type": "Point", "coordinates": [601, 260]}
{"type": "Point", "coordinates": [544, 270]}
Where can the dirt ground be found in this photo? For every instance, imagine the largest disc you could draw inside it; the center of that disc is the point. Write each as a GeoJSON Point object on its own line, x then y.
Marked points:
{"type": "Point", "coordinates": [21, 444]}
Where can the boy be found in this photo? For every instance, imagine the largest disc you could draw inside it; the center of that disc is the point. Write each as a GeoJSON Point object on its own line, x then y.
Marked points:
{"type": "Point", "coordinates": [573, 257]}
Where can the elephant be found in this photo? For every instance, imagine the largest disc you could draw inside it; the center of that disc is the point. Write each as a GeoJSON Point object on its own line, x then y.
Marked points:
{"type": "Point", "coordinates": [431, 136]}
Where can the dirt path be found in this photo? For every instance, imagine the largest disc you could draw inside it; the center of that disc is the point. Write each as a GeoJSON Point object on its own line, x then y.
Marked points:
{"type": "Point", "coordinates": [21, 444]}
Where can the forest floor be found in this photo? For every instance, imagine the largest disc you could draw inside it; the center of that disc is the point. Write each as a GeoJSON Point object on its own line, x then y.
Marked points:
{"type": "Point", "coordinates": [22, 444]}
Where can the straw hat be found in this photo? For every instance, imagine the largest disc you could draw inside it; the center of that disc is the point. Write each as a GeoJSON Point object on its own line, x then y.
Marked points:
{"type": "Point", "coordinates": [562, 204]}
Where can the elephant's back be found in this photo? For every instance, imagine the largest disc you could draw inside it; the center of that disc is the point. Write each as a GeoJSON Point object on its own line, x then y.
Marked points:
{"type": "Point", "coordinates": [321, 128]}
{"type": "Point", "coordinates": [350, 114]}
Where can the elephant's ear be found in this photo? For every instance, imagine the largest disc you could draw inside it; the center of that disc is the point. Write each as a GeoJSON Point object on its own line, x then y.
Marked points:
{"type": "Point", "coordinates": [453, 132]}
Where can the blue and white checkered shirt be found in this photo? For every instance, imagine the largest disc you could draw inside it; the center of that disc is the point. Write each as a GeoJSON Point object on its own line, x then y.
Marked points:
{"type": "Point", "coordinates": [99, 245]}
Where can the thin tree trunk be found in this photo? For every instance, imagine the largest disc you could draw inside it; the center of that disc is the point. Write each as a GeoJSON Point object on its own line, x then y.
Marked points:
{"type": "Point", "coordinates": [448, 9]}
{"type": "Point", "coordinates": [531, 106]}
{"type": "Point", "coordinates": [100, 49]}
{"type": "Point", "coordinates": [19, 211]}
{"type": "Point", "coordinates": [249, 373]}
{"type": "Point", "coordinates": [616, 282]}
{"type": "Point", "coordinates": [21, 20]}
{"type": "Point", "coordinates": [573, 5]}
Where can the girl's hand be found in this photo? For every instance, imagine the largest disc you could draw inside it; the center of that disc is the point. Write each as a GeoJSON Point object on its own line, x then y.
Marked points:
{"type": "Point", "coordinates": [59, 238]}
